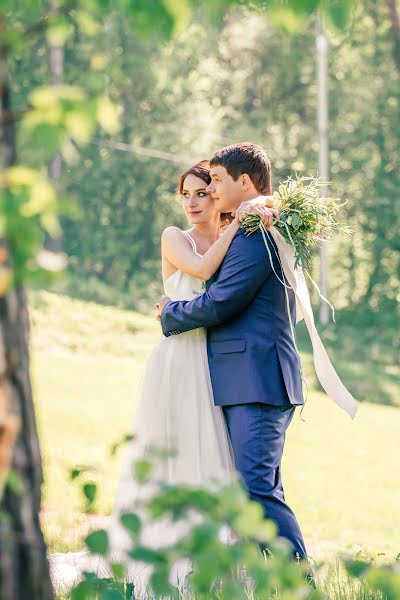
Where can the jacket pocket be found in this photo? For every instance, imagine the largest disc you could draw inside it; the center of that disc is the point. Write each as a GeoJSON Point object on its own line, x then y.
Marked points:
{"type": "Point", "coordinates": [228, 346]}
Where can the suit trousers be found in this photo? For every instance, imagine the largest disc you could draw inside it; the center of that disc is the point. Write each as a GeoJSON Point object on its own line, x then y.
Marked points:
{"type": "Point", "coordinates": [257, 433]}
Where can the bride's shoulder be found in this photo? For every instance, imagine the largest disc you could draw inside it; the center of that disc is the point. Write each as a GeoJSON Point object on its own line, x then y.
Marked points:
{"type": "Point", "coordinates": [171, 230]}
{"type": "Point", "coordinates": [173, 235]}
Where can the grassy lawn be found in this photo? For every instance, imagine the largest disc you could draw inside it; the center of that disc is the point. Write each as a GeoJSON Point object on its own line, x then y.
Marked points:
{"type": "Point", "coordinates": [87, 360]}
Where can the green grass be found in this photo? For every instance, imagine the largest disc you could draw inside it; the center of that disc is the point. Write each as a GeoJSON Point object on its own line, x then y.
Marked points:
{"type": "Point", "coordinates": [365, 354]}
{"type": "Point", "coordinates": [87, 361]}
{"type": "Point", "coordinates": [334, 586]}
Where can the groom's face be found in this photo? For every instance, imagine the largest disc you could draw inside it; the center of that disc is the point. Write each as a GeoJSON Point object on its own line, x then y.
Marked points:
{"type": "Point", "coordinates": [226, 192]}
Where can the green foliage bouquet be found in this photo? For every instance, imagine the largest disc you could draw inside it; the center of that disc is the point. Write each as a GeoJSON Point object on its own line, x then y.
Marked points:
{"type": "Point", "coordinates": [307, 217]}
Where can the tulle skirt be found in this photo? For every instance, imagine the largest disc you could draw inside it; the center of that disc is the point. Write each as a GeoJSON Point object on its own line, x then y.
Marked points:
{"type": "Point", "coordinates": [175, 417]}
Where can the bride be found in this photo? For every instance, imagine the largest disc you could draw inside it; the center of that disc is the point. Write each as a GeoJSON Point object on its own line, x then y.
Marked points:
{"type": "Point", "coordinates": [175, 411]}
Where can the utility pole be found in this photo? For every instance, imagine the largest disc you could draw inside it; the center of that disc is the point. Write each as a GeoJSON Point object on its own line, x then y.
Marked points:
{"type": "Point", "coordinates": [56, 66]}
{"type": "Point", "coordinates": [56, 77]}
{"type": "Point", "coordinates": [323, 159]}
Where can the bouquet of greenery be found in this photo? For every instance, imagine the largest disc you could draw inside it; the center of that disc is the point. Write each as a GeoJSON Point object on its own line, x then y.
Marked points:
{"type": "Point", "coordinates": [306, 216]}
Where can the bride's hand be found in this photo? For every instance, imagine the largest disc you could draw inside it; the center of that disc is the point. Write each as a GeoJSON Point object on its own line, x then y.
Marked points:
{"type": "Point", "coordinates": [262, 206]}
{"type": "Point", "coordinates": [160, 306]}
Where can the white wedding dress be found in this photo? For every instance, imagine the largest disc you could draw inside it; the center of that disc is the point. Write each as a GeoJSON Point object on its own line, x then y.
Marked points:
{"type": "Point", "coordinates": [175, 413]}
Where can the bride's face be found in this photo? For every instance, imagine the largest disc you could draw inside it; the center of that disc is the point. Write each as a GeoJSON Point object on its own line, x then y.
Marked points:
{"type": "Point", "coordinates": [197, 202]}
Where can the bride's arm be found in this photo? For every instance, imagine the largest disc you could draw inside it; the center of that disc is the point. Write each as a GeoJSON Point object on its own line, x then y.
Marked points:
{"type": "Point", "coordinates": [176, 248]}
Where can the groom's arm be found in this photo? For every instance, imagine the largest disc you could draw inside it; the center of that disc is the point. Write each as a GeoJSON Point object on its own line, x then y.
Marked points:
{"type": "Point", "coordinates": [245, 268]}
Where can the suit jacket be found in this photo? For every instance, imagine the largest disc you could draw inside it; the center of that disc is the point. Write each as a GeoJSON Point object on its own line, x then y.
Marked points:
{"type": "Point", "coordinates": [251, 353]}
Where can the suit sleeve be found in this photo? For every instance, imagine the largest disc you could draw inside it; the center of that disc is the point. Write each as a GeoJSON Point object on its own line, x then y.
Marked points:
{"type": "Point", "coordinates": [243, 271]}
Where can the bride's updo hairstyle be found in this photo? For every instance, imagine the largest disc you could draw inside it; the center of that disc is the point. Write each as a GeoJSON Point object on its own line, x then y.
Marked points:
{"type": "Point", "coordinates": [202, 171]}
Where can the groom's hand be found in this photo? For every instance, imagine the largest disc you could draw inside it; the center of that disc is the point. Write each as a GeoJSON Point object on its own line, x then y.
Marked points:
{"type": "Point", "coordinates": [160, 306]}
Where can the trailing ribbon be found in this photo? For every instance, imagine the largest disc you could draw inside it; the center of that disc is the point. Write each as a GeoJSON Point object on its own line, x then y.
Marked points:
{"type": "Point", "coordinates": [327, 376]}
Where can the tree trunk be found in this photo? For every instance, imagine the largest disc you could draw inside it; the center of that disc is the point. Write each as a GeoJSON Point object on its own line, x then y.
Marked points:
{"type": "Point", "coordinates": [24, 570]}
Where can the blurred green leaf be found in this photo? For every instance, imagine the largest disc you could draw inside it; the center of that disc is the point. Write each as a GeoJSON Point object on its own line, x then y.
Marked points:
{"type": "Point", "coordinates": [50, 223]}
{"type": "Point", "coordinates": [148, 555]}
{"type": "Point", "coordinates": [13, 37]}
{"type": "Point", "coordinates": [129, 437]}
{"type": "Point", "coordinates": [232, 498]}
{"type": "Point", "coordinates": [86, 22]}
{"type": "Point", "coordinates": [132, 522]}
{"type": "Point", "coordinates": [41, 197]}
{"type": "Point", "coordinates": [90, 492]}
{"type": "Point", "coordinates": [59, 31]}
{"type": "Point", "coordinates": [305, 6]}
{"type": "Point", "coordinates": [19, 176]}
{"type": "Point", "coordinates": [83, 591]}
{"type": "Point", "coordinates": [201, 500]}
{"type": "Point", "coordinates": [107, 115]}
{"type": "Point", "coordinates": [180, 10]}
{"type": "Point", "coordinates": [160, 584]}
{"type": "Point", "coordinates": [80, 125]}
{"type": "Point", "coordinates": [118, 570]}
{"type": "Point", "coordinates": [339, 12]}
{"type": "Point", "coordinates": [111, 594]}
{"type": "Point", "coordinates": [149, 17]}
{"type": "Point", "coordinates": [286, 18]}
{"type": "Point", "coordinates": [142, 470]}
{"type": "Point", "coordinates": [46, 97]}
{"type": "Point", "coordinates": [248, 522]}
{"type": "Point", "coordinates": [201, 536]}
{"type": "Point", "coordinates": [77, 470]}
{"type": "Point", "coordinates": [46, 137]}
{"type": "Point", "coordinates": [97, 542]}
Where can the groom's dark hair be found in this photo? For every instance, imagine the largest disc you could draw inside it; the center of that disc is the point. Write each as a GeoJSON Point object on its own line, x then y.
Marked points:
{"type": "Point", "coordinates": [249, 158]}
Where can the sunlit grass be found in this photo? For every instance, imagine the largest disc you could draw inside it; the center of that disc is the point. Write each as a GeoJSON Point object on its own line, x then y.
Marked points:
{"type": "Point", "coordinates": [87, 362]}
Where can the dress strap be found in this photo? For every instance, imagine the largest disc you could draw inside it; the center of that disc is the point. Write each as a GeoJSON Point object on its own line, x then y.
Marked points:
{"type": "Point", "coordinates": [193, 243]}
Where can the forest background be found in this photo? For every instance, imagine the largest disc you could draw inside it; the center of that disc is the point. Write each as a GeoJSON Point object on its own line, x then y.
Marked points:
{"type": "Point", "coordinates": [166, 102]}
{"type": "Point", "coordinates": [214, 85]}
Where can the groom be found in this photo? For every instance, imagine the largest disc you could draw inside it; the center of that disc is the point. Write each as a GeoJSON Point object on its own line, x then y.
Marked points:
{"type": "Point", "coordinates": [254, 366]}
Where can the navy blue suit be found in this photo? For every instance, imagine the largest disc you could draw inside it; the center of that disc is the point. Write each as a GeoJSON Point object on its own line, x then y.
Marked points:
{"type": "Point", "coordinates": [254, 366]}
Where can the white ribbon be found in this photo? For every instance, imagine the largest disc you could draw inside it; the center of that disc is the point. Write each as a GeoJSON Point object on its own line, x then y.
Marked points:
{"type": "Point", "coordinates": [327, 376]}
